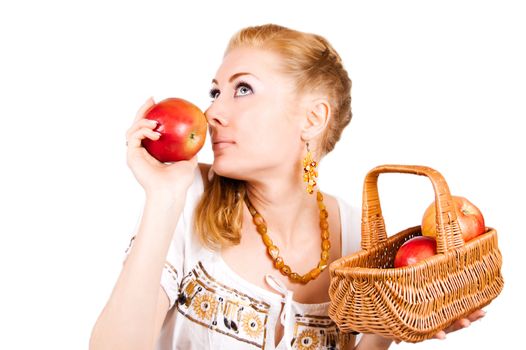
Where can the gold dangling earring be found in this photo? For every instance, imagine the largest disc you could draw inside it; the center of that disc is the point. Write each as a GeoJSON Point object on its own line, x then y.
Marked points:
{"type": "Point", "coordinates": [309, 171]}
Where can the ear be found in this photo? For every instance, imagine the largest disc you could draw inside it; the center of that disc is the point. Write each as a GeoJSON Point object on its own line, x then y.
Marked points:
{"type": "Point", "coordinates": [317, 117]}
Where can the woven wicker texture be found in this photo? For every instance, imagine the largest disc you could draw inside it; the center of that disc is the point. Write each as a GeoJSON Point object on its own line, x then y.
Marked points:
{"type": "Point", "coordinates": [412, 303]}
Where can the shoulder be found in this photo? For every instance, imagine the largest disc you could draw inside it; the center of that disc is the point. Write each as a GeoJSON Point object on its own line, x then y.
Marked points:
{"type": "Point", "coordinates": [339, 207]}
{"type": "Point", "coordinates": [197, 187]}
{"type": "Point", "coordinates": [349, 216]}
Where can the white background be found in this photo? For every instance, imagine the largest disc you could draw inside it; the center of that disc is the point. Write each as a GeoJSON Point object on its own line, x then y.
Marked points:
{"type": "Point", "coordinates": [440, 84]}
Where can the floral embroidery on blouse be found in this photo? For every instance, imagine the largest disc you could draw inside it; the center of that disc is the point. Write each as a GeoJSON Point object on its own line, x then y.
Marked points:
{"type": "Point", "coordinates": [211, 304]}
{"type": "Point", "coordinates": [317, 332]}
{"type": "Point", "coordinates": [225, 310]}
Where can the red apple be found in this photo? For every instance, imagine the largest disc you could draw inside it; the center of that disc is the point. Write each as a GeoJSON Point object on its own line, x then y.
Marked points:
{"type": "Point", "coordinates": [414, 250]}
{"type": "Point", "coordinates": [469, 218]}
{"type": "Point", "coordinates": [182, 126]}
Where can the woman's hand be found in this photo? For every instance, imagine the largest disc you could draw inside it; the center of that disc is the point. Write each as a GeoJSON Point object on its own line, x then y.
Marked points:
{"type": "Point", "coordinates": [375, 341]}
{"type": "Point", "coordinates": [154, 176]}
{"type": "Point", "coordinates": [461, 323]}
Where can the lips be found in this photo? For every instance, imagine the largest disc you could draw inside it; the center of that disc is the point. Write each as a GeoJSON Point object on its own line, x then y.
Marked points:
{"type": "Point", "coordinates": [221, 143]}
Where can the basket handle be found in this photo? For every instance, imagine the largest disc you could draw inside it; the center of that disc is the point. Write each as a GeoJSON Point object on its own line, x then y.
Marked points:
{"type": "Point", "coordinates": [449, 235]}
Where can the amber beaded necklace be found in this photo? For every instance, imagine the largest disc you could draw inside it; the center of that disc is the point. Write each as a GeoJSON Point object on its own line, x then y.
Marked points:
{"type": "Point", "coordinates": [273, 251]}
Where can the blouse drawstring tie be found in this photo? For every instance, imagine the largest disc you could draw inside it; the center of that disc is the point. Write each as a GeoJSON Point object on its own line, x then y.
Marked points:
{"type": "Point", "coordinates": [286, 313]}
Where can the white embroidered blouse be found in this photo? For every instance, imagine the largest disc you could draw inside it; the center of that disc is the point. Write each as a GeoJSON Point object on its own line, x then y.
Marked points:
{"type": "Point", "coordinates": [211, 307]}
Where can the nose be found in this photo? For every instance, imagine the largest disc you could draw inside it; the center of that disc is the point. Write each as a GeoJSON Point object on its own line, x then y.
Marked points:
{"type": "Point", "coordinates": [215, 115]}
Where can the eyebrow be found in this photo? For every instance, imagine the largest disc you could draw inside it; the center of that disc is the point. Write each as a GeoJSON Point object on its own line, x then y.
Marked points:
{"type": "Point", "coordinates": [234, 77]}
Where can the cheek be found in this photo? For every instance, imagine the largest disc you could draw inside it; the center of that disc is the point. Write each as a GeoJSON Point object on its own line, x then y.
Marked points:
{"type": "Point", "coordinates": [270, 144]}
{"type": "Point", "coordinates": [266, 131]}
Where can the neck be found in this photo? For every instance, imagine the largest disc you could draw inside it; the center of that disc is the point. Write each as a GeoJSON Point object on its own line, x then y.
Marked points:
{"type": "Point", "coordinates": [287, 209]}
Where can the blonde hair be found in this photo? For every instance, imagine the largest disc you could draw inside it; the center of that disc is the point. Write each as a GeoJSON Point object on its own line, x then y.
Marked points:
{"type": "Point", "coordinates": [315, 67]}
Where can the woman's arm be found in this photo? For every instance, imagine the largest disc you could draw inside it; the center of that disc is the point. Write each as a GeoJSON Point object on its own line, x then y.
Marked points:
{"type": "Point", "coordinates": [130, 319]}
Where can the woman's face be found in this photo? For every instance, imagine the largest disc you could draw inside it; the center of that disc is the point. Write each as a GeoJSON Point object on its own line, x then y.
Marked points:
{"type": "Point", "coordinates": [255, 116]}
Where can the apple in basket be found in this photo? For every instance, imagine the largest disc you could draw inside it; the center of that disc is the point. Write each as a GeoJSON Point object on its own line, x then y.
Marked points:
{"type": "Point", "coordinates": [182, 126]}
{"type": "Point", "coordinates": [415, 250]}
{"type": "Point", "coordinates": [469, 218]}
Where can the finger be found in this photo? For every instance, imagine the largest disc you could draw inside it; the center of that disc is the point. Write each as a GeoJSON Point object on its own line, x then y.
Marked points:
{"type": "Point", "coordinates": [143, 123]}
{"type": "Point", "coordinates": [476, 315]}
{"type": "Point", "coordinates": [458, 324]}
{"type": "Point", "coordinates": [463, 323]}
{"type": "Point", "coordinates": [192, 162]}
{"type": "Point", "coordinates": [440, 335]}
{"type": "Point", "coordinates": [140, 113]}
{"type": "Point", "coordinates": [139, 135]}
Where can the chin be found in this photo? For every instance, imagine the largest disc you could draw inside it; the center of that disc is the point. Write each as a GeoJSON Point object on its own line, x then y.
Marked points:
{"type": "Point", "coordinates": [224, 168]}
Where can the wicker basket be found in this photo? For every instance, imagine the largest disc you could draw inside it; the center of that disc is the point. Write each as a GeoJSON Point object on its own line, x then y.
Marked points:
{"type": "Point", "coordinates": [415, 302]}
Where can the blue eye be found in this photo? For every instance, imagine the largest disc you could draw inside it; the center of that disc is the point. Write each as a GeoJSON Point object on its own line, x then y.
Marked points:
{"type": "Point", "coordinates": [243, 89]}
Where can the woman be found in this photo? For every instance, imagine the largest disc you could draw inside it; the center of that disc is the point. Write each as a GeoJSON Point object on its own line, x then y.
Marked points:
{"type": "Point", "coordinates": [240, 248]}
